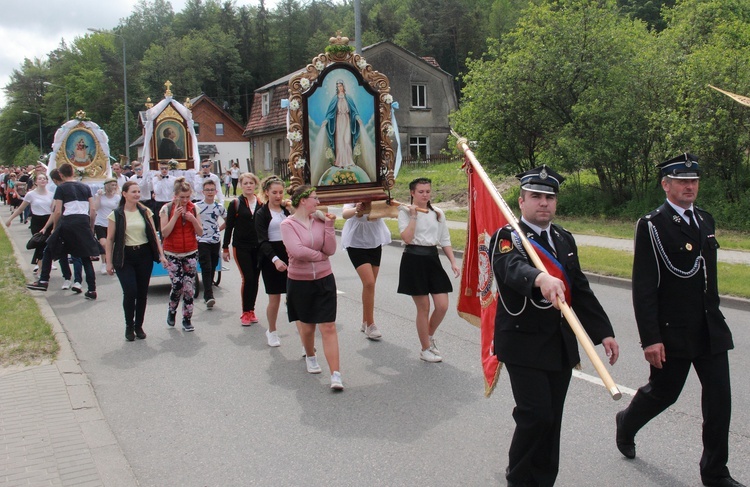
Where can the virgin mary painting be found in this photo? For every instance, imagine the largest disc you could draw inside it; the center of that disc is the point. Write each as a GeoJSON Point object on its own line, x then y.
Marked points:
{"type": "Point", "coordinates": [343, 148]}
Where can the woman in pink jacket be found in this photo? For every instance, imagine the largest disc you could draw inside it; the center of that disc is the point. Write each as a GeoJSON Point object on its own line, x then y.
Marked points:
{"type": "Point", "coordinates": [310, 238]}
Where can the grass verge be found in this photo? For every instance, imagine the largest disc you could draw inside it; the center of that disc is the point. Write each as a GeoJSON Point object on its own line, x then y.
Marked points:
{"type": "Point", "coordinates": [25, 336]}
{"type": "Point", "coordinates": [734, 279]}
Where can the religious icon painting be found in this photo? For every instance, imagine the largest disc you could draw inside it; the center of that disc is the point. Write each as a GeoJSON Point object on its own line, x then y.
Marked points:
{"type": "Point", "coordinates": [169, 133]}
{"type": "Point", "coordinates": [340, 127]}
{"type": "Point", "coordinates": [170, 139]}
{"type": "Point", "coordinates": [83, 144]}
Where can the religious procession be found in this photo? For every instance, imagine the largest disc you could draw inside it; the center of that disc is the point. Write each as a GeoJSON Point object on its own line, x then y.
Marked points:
{"type": "Point", "coordinates": [177, 215]}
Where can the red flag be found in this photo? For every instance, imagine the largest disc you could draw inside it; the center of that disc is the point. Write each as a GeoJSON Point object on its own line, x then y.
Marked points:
{"type": "Point", "coordinates": [478, 300]}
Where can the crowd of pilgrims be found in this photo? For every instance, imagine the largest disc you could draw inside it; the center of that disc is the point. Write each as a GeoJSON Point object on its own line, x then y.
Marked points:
{"type": "Point", "coordinates": [176, 218]}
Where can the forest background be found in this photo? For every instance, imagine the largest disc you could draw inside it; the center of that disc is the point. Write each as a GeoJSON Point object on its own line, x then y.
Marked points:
{"type": "Point", "coordinates": [602, 90]}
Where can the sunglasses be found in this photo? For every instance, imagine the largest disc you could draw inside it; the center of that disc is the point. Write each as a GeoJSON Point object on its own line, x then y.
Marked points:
{"type": "Point", "coordinates": [205, 166]}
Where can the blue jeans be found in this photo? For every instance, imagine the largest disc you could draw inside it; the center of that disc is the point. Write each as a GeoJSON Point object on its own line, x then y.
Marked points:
{"type": "Point", "coordinates": [77, 269]}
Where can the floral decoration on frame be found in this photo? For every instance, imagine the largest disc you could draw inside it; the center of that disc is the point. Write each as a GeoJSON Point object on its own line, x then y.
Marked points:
{"type": "Point", "coordinates": [340, 127]}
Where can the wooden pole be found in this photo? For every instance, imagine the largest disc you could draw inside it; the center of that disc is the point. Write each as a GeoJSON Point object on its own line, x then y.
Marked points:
{"type": "Point", "coordinates": [570, 317]}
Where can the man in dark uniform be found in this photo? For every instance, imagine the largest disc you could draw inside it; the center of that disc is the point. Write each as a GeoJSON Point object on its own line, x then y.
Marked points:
{"type": "Point", "coordinates": [676, 304]}
{"type": "Point", "coordinates": [531, 336]}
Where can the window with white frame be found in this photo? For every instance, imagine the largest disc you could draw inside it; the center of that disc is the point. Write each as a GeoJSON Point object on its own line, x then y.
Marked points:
{"type": "Point", "coordinates": [419, 96]}
{"type": "Point", "coordinates": [418, 147]}
{"type": "Point", "coordinates": [219, 128]}
{"type": "Point", "coordinates": [266, 103]}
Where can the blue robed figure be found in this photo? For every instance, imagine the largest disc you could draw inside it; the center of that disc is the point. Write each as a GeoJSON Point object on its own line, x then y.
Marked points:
{"type": "Point", "coordinates": [343, 126]}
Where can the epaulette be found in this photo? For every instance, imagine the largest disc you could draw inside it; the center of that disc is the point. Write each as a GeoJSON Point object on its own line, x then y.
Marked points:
{"type": "Point", "coordinates": [561, 229]}
{"type": "Point", "coordinates": [703, 211]}
{"type": "Point", "coordinates": [651, 214]}
{"type": "Point", "coordinates": [505, 232]}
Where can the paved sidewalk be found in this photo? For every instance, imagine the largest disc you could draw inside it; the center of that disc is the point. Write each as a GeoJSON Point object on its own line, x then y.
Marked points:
{"type": "Point", "coordinates": [52, 431]}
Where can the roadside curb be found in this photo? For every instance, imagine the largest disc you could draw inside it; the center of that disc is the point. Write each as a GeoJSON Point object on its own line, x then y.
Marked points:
{"type": "Point", "coordinates": [111, 463]}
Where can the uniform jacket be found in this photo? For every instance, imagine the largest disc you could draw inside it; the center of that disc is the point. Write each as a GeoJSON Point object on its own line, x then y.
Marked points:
{"type": "Point", "coordinates": [529, 331]}
{"type": "Point", "coordinates": [676, 303]}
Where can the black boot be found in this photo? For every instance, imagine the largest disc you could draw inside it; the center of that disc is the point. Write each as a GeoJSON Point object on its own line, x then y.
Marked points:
{"type": "Point", "coordinates": [129, 333]}
{"type": "Point", "coordinates": [140, 333]}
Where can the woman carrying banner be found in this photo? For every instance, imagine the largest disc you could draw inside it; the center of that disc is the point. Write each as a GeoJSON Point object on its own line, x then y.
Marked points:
{"type": "Point", "coordinates": [421, 274]}
{"type": "Point", "coordinates": [310, 239]}
{"type": "Point", "coordinates": [363, 240]}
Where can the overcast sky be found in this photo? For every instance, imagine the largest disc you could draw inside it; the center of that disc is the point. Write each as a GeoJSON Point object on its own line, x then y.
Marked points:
{"type": "Point", "coordinates": [33, 28]}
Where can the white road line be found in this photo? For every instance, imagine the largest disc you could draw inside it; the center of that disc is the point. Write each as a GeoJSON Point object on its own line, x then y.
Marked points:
{"type": "Point", "coordinates": [596, 380]}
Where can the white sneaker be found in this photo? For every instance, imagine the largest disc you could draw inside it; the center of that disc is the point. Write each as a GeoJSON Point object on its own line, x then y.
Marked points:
{"type": "Point", "coordinates": [103, 269]}
{"type": "Point", "coordinates": [433, 346]}
{"type": "Point", "coordinates": [312, 365]}
{"type": "Point", "coordinates": [430, 356]}
{"type": "Point", "coordinates": [304, 353]}
{"type": "Point", "coordinates": [273, 339]}
{"type": "Point", "coordinates": [372, 332]}
{"type": "Point", "coordinates": [54, 267]}
{"type": "Point", "coordinates": [66, 284]}
{"type": "Point", "coordinates": [36, 270]}
{"type": "Point", "coordinates": [336, 383]}
{"type": "Point", "coordinates": [76, 287]}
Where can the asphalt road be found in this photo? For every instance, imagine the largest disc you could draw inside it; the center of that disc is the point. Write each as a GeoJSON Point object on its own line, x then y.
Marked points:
{"type": "Point", "coordinates": [218, 407]}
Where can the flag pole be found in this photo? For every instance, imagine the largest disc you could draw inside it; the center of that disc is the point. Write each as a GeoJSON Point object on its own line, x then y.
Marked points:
{"type": "Point", "coordinates": [570, 317]}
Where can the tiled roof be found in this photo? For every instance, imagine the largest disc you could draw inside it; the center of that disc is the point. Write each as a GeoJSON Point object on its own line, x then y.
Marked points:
{"type": "Point", "coordinates": [207, 149]}
{"type": "Point", "coordinates": [276, 118]}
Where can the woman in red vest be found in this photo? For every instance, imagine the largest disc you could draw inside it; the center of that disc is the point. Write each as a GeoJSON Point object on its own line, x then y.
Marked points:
{"type": "Point", "coordinates": [180, 225]}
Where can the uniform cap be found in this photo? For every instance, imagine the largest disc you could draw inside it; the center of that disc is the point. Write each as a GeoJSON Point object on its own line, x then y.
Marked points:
{"type": "Point", "coordinates": [541, 179]}
{"type": "Point", "coordinates": [684, 166]}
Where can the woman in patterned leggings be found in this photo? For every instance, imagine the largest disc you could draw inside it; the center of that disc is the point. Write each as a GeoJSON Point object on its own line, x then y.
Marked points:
{"type": "Point", "coordinates": [180, 226]}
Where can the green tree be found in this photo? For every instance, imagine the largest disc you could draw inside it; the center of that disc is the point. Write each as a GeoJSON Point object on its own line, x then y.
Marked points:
{"type": "Point", "coordinates": [701, 120]}
{"type": "Point", "coordinates": [569, 87]}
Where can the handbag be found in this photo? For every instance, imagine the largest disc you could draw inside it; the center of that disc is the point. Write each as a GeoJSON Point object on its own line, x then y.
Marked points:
{"type": "Point", "coordinates": [37, 240]}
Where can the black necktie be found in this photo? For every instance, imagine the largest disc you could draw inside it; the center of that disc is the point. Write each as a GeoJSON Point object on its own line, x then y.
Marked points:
{"type": "Point", "coordinates": [689, 219]}
{"type": "Point", "coordinates": [546, 243]}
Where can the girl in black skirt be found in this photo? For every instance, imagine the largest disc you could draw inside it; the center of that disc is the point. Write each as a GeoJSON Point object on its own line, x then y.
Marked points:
{"type": "Point", "coordinates": [271, 250]}
{"type": "Point", "coordinates": [421, 274]}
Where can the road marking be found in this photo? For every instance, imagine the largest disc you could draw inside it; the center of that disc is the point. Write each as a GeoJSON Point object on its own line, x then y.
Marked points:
{"type": "Point", "coordinates": [596, 380]}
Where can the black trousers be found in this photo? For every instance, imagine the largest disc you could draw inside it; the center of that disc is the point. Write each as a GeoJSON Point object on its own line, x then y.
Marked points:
{"type": "Point", "coordinates": [664, 387]}
{"type": "Point", "coordinates": [208, 258]}
{"type": "Point", "coordinates": [156, 208]}
{"type": "Point", "coordinates": [247, 261]}
{"type": "Point", "coordinates": [135, 276]}
{"type": "Point", "coordinates": [534, 455]}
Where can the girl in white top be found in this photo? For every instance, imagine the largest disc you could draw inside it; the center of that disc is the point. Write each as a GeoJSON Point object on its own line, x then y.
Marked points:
{"type": "Point", "coordinates": [105, 202]}
{"type": "Point", "coordinates": [363, 239]}
{"type": "Point", "coordinates": [234, 171]}
{"type": "Point", "coordinates": [40, 201]}
{"type": "Point", "coordinates": [421, 274]}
